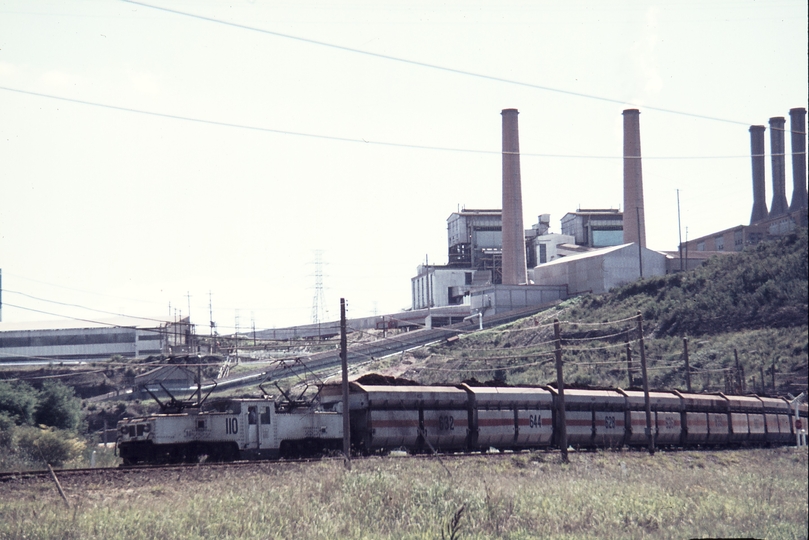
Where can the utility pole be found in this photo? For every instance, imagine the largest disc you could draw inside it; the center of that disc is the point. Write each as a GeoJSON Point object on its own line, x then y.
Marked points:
{"type": "Point", "coordinates": [687, 367]}
{"type": "Point", "coordinates": [640, 248]}
{"type": "Point", "coordinates": [628, 359]}
{"type": "Point", "coordinates": [646, 400]}
{"type": "Point", "coordinates": [210, 319]}
{"type": "Point", "coordinates": [429, 293]}
{"type": "Point", "coordinates": [560, 386]}
{"type": "Point", "coordinates": [686, 248]}
{"type": "Point", "coordinates": [744, 381]}
{"type": "Point", "coordinates": [344, 362]}
{"type": "Point", "coordinates": [236, 337]}
{"type": "Point", "coordinates": [738, 372]}
{"type": "Point", "coordinates": [679, 230]}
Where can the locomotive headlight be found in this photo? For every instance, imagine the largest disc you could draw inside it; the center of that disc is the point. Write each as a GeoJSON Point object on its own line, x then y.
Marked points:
{"type": "Point", "coordinates": [123, 430]}
{"type": "Point", "coordinates": [147, 428]}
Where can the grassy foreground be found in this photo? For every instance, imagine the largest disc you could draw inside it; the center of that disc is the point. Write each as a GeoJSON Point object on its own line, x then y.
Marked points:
{"type": "Point", "coordinates": [744, 493]}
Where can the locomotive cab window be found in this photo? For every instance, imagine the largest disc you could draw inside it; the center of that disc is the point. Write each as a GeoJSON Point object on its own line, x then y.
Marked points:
{"type": "Point", "coordinates": [200, 424]}
{"type": "Point", "coordinates": [265, 416]}
{"type": "Point", "coordinates": [252, 413]}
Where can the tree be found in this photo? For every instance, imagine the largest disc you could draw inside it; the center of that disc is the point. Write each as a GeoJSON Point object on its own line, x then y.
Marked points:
{"type": "Point", "coordinates": [58, 406]}
{"type": "Point", "coordinates": [18, 402]}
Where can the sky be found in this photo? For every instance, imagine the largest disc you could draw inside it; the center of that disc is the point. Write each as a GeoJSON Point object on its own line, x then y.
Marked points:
{"type": "Point", "coordinates": [165, 157]}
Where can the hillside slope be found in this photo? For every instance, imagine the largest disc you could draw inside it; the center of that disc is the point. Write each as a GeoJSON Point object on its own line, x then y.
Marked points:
{"type": "Point", "coordinates": [765, 286]}
{"type": "Point", "coordinates": [752, 306]}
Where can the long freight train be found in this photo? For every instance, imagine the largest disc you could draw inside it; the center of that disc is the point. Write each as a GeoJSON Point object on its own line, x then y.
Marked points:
{"type": "Point", "coordinates": [450, 419]}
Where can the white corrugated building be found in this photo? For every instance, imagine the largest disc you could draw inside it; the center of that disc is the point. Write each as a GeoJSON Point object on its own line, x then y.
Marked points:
{"type": "Point", "coordinates": [72, 340]}
{"type": "Point", "coordinates": [600, 270]}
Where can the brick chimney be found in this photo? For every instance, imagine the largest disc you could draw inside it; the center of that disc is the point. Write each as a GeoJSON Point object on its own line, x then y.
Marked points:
{"type": "Point", "coordinates": [759, 181]}
{"type": "Point", "coordinates": [514, 271]}
{"type": "Point", "coordinates": [634, 218]}
{"type": "Point", "coordinates": [779, 205]}
{"type": "Point", "coordinates": [798, 128]}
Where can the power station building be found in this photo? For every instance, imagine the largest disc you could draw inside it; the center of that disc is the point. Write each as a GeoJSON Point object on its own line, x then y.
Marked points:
{"type": "Point", "coordinates": [595, 228]}
{"type": "Point", "coordinates": [495, 264]}
{"type": "Point", "coordinates": [475, 252]}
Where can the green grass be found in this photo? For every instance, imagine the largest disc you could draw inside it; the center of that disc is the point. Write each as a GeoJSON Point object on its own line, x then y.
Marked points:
{"type": "Point", "coordinates": [745, 493]}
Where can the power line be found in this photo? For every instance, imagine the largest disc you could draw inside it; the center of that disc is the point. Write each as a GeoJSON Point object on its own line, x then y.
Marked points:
{"type": "Point", "coordinates": [84, 307]}
{"type": "Point", "coordinates": [362, 141]}
{"type": "Point", "coordinates": [427, 65]}
{"type": "Point", "coordinates": [82, 290]}
{"type": "Point", "coordinates": [92, 321]}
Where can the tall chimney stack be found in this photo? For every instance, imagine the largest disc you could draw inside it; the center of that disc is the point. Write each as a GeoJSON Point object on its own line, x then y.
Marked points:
{"type": "Point", "coordinates": [759, 181]}
{"type": "Point", "coordinates": [798, 129]}
{"type": "Point", "coordinates": [779, 205]}
{"type": "Point", "coordinates": [634, 219]}
{"type": "Point", "coordinates": [514, 271]}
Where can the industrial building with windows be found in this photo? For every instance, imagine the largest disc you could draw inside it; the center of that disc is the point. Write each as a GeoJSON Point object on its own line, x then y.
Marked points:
{"type": "Point", "coordinates": [475, 250]}
{"type": "Point", "coordinates": [85, 341]}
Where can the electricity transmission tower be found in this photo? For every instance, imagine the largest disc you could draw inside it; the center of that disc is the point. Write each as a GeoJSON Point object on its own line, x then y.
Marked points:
{"type": "Point", "coordinates": [319, 311]}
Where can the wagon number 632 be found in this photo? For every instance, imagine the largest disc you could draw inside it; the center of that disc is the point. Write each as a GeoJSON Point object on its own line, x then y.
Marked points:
{"type": "Point", "coordinates": [446, 423]}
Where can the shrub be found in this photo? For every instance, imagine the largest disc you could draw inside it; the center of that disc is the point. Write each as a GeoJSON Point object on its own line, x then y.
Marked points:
{"type": "Point", "coordinates": [55, 446]}
{"type": "Point", "coordinates": [6, 430]}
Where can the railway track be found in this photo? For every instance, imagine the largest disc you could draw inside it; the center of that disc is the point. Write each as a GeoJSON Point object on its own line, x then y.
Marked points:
{"type": "Point", "coordinates": [122, 473]}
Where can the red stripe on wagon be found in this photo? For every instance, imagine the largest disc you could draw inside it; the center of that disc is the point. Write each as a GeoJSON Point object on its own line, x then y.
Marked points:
{"type": "Point", "coordinates": [394, 423]}
{"type": "Point", "coordinates": [494, 422]}
{"type": "Point", "coordinates": [436, 423]}
{"type": "Point", "coordinates": [573, 422]}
